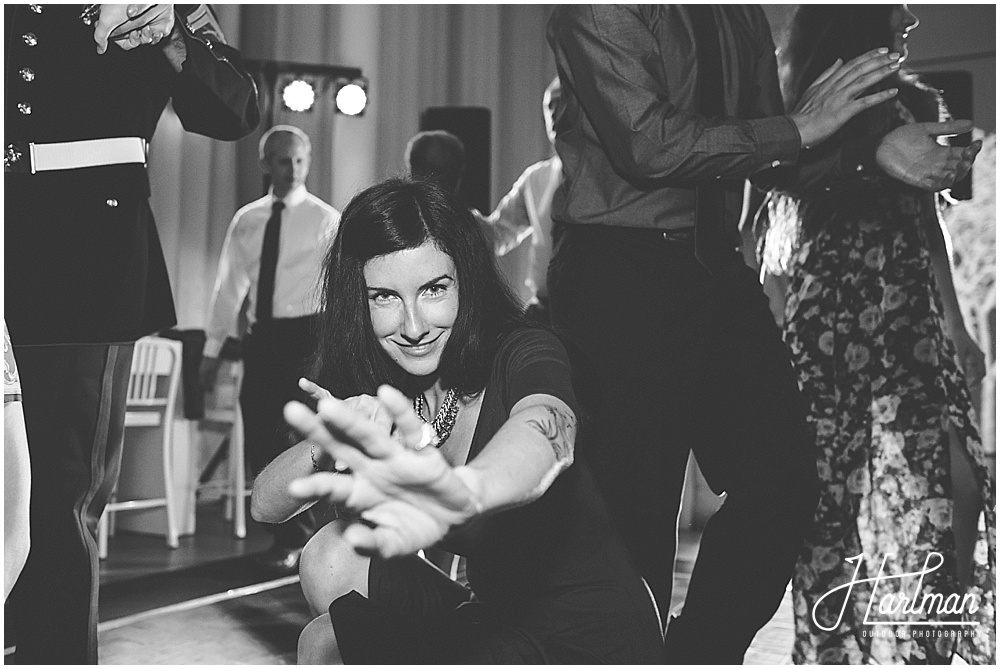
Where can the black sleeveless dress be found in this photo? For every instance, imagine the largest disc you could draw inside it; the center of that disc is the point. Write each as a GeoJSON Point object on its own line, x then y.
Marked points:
{"type": "Point", "coordinates": [548, 583]}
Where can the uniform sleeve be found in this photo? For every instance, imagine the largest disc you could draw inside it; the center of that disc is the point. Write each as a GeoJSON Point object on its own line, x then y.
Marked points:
{"type": "Point", "coordinates": [11, 381]}
{"type": "Point", "coordinates": [213, 95]}
{"type": "Point", "coordinates": [609, 53]}
{"type": "Point", "coordinates": [536, 363]}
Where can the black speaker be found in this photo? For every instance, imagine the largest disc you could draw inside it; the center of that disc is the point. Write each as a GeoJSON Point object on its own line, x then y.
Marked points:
{"type": "Point", "coordinates": [472, 126]}
{"type": "Point", "coordinates": [956, 89]}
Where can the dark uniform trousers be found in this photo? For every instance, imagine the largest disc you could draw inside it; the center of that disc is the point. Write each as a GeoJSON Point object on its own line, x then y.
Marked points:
{"type": "Point", "coordinates": [74, 411]}
{"type": "Point", "coordinates": [275, 355]}
{"type": "Point", "coordinates": [690, 360]}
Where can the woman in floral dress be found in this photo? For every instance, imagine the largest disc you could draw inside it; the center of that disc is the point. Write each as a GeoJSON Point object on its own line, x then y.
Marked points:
{"type": "Point", "coordinates": [883, 357]}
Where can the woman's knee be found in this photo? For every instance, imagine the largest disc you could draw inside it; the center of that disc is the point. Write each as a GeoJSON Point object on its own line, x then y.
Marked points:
{"type": "Point", "coordinates": [330, 567]}
{"type": "Point", "coordinates": [318, 644]}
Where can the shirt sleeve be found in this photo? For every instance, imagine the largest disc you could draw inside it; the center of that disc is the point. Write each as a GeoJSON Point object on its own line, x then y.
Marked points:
{"type": "Point", "coordinates": [231, 288]}
{"type": "Point", "coordinates": [11, 381]}
{"type": "Point", "coordinates": [833, 162]}
{"type": "Point", "coordinates": [510, 224]}
{"type": "Point", "coordinates": [612, 56]}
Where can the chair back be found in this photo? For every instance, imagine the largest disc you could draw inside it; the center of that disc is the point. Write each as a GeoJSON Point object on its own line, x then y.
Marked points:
{"type": "Point", "coordinates": [154, 381]}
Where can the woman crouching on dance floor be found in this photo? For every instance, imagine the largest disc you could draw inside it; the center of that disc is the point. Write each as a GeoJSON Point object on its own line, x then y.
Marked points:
{"type": "Point", "coordinates": [477, 451]}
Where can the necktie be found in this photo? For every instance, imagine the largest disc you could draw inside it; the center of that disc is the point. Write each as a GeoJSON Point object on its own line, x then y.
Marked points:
{"type": "Point", "coordinates": [713, 246]}
{"type": "Point", "coordinates": [269, 263]}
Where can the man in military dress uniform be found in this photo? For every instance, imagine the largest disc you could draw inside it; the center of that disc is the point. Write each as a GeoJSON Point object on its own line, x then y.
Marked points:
{"type": "Point", "coordinates": [85, 274]}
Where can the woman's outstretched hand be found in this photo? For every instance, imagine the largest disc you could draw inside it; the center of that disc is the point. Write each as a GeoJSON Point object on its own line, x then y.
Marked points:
{"type": "Point", "coordinates": [408, 496]}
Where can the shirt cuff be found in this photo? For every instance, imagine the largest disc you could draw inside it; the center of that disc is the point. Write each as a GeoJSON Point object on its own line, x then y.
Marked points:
{"type": "Point", "coordinates": [857, 157]}
{"type": "Point", "coordinates": [212, 348]}
{"type": "Point", "coordinates": [778, 141]}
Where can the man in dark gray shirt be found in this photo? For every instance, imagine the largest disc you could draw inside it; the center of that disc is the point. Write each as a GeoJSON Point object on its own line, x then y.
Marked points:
{"type": "Point", "coordinates": [666, 111]}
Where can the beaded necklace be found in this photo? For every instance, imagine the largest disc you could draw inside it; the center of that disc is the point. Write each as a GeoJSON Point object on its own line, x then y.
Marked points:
{"type": "Point", "coordinates": [444, 421]}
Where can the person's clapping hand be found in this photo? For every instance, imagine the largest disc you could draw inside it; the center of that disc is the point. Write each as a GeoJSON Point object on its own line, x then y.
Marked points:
{"type": "Point", "coordinates": [407, 494]}
{"type": "Point", "coordinates": [838, 95]}
{"type": "Point", "coordinates": [130, 26]}
{"type": "Point", "coordinates": [911, 154]}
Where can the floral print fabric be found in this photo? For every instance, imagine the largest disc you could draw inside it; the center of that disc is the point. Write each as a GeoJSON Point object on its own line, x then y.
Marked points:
{"type": "Point", "coordinates": [863, 323]}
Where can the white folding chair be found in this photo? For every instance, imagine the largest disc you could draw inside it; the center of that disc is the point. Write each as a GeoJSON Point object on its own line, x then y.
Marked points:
{"type": "Point", "coordinates": [233, 488]}
{"type": "Point", "coordinates": [152, 393]}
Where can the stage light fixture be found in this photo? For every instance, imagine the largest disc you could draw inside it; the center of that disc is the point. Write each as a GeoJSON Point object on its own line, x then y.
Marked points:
{"type": "Point", "coordinates": [351, 96]}
{"type": "Point", "coordinates": [298, 95]}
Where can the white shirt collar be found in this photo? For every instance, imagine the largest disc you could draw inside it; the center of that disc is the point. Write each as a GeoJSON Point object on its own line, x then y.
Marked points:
{"type": "Point", "coordinates": [294, 196]}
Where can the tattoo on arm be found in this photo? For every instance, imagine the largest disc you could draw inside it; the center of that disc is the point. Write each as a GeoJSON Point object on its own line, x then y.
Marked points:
{"type": "Point", "coordinates": [559, 427]}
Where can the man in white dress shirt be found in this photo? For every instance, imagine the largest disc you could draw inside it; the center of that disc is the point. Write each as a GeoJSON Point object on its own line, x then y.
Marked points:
{"type": "Point", "coordinates": [272, 259]}
{"type": "Point", "coordinates": [526, 212]}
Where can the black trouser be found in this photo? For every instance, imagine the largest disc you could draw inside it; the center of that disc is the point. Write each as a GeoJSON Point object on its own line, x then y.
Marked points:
{"type": "Point", "coordinates": [275, 355]}
{"type": "Point", "coordinates": [74, 412]}
{"type": "Point", "coordinates": [688, 360]}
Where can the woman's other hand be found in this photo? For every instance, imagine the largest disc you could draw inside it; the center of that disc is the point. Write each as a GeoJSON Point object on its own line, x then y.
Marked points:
{"type": "Point", "coordinates": [363, 404]}
{"type": "Point", "coordinates": [408, 498]}
{"type": "Point", "coordinates": [911, 154]}
{"type": "Point", "coordinates": [314, 390]}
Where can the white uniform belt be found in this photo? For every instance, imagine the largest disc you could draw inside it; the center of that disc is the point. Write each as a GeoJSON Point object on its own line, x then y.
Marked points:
{"type": "Point", "coordinates": [87, 153]}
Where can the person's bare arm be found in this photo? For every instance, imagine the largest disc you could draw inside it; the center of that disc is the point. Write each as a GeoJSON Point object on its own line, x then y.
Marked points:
{"type": "Point", "coordinates": [16, 495]}
{"type": "Point", "coordinates": [970, 357]}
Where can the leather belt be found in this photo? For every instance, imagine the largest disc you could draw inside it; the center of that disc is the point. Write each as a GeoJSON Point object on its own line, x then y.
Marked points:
{"type": "Point", "coordinates": [74, 155]}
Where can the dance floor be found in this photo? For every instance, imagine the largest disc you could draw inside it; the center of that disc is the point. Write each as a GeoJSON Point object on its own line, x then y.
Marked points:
{"type": "Point", "coordinates": [208, 603]}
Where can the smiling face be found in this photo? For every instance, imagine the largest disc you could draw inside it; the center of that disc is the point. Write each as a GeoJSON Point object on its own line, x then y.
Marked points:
{"type": "Point", "coordinates": [901, 22]}
{"type": "Point", "coordinates": [413, 301]}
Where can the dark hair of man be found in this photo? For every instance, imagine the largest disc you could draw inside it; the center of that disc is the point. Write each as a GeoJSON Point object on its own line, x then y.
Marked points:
{"type": "Point", "coordinates": [392, 216]}
{"type": "Point", "coordinates": [439, 155]}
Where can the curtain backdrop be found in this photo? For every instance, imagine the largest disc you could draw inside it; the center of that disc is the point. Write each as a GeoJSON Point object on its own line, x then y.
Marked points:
{"type": "Point", "coordinates": [415, 56]}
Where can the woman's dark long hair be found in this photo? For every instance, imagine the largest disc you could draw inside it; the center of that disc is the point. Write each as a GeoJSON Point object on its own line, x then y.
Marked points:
{"type": "Point", "coordinates": [820, 34]}
{"type": "Point", "coordinates": [816, 37]}
{"type": "Point", "coordinates": [392, 216]}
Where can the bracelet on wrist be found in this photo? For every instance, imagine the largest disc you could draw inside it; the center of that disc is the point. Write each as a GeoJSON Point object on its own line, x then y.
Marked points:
{"type": "Point", "coordinates": [312, 456]}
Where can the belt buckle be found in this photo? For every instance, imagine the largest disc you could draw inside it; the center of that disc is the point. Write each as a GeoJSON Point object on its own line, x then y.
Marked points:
{"type": "Point", "coordinates": [15, 160]}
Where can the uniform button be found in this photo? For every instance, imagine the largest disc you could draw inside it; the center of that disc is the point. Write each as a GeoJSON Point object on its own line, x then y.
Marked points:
{"type": "Point", "coordinates": [36, 8]}
{"type": "Point", "coordinates": [111, 202]}
{"type": "Point", "coordinates": [30, 39]}
{"type": "Point", "coordinates": [859, 168]}
{"type": "Point", "coordinates": [27, 74]}
{"type": "Point", "coordinates": [24, 108]}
